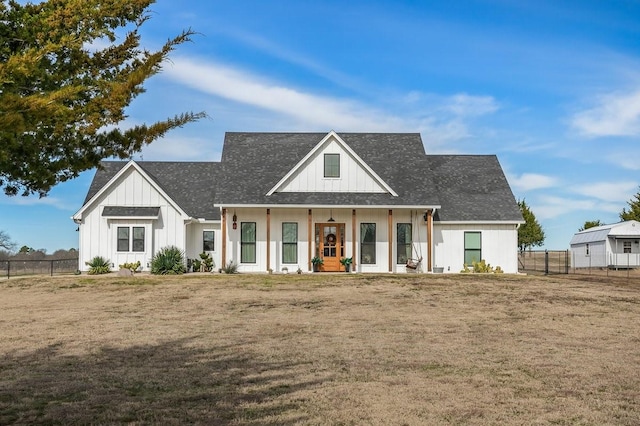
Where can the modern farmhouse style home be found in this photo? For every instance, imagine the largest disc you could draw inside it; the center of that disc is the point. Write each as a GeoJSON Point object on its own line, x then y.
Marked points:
{"type": "Point", "coordinates": [276, 201]}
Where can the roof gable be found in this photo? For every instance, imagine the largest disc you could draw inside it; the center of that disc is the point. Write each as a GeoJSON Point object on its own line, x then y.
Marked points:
{"type": "Point", "coordinates": [355, 175]}
{"type": "Point", "coordinates": [188, 186]}
{"type": "Point", "coordinates": [626, 229]}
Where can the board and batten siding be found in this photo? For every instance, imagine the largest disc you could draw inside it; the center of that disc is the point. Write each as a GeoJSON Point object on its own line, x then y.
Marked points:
{"type": "Point", "coordinates": [98, 234]}
{"type": "Point", "coordinates": [353, 177]}
{"type": "Point", "coordinates": [195, 242]}
{"type": "Point", "coordinates": [499, 245]}
{"type": "Point", "coordinates": [340, 215]}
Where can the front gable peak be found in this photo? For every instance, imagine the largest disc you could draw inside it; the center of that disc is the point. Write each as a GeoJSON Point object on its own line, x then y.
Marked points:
{"type": "Point", "coordinates": [332, 166]}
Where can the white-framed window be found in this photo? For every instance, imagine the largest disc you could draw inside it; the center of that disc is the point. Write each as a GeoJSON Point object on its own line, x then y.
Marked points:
{"type": "Point", "coordinates": [472, 247]}
{"type": "Point", "coordinates": [586, 249]}
{"type": "Point", "coordinates": [332, 165]}
{"type": "Point", "coordinates": [130, 238]}
{"type": "Point", "coordinates": [626, 247]}
{"type": "Point", "coordinates": [289, 242]}
{"type": "Point", "coordinates": [208, 240]}
{"type": "Point", "coordinates": [248, 242]}
{"type": "Point", "coordinates": [367, 243]}
{"type": "Point", "coordinates": [404, 242]}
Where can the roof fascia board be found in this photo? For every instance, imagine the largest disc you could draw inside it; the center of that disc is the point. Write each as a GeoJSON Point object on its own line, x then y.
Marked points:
{"type": "Point", "coordinates": [115, 178]}
{"type": "Point", "coordinates": [329, 206]}
{"type": "Point", "coordinates": [479, 222]}
{"type": "Point", "coordinates": [343, 144]}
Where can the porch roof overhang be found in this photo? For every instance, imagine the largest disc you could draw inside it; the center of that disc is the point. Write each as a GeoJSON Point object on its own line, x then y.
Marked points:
{"type": "Point", "coordinates": [130, 212]}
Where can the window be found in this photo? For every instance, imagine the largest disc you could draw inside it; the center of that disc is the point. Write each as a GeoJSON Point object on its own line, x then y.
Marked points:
{"type": "Point", "coordinates": [289, 242]}
{"type": "Point", "coordinates": [123, 238]}
{"type": "Point", "coordinates": [587, 250]}
{"type": "Point", "coordinates": [138, 238]}
{"type": "Point", "coordinates": [332, 165]}
{"type": "Point", "coordinates": [367, 243]}
{"type": "Point", "coordinates": [208, 241]}
{"type": "Point", "coordinates": [136, 242]}
{"type": "Point", "coordinates": [472, 247]}
{"type": "Point", "coordinates": [626, 247]}
{"type": "Point", "coordinates": [404, 240]}
{"type": "Point", "coordinates": [248, 242]}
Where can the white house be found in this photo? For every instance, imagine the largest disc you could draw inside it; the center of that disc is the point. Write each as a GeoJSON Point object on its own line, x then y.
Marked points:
{"type": "Point", "coordinates": [613, 246]}
{"type": "Point", "coordinates": [277, 200]}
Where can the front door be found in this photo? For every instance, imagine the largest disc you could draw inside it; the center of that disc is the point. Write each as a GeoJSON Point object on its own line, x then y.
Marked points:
{"type": "Point", "coordinates": [331, 246]}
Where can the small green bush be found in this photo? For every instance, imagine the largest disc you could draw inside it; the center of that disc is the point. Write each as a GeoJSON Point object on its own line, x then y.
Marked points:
{"type": "Point", "coordinates": [230, 268]}
{"type": "Point", "coordinates": [133, 266]}
{"type": "Point", "coordinates": [481, 267]}
{"type": "Point", "coordinates": [168, 261]}
{"type": "Point", "coordinates": [98, 265]}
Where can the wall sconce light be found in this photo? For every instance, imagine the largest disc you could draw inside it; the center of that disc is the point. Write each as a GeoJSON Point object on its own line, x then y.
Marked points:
{"type": "Point", "coordinates": [425, 217]}
{"type": "Point", "coordinates": [235, 220]}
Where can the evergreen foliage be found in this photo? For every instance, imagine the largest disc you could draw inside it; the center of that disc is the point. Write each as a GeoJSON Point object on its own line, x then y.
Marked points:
{"type": "Point", "coordinates": [590, 224]}
{"type": "Point", "coordinates": [62, 95]}
{"type": "Point", "coordinates": [634, 209]}
{"type": "Point", "coordinates": [530, 234]}
{"type": "Point", "coordinates": [99, 265]}
{"type": "Point", "coordinates": [168, 261]}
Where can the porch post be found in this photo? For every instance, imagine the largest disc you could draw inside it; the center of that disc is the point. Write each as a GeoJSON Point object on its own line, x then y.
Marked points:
{"type": "Point", "coordinates": [224, 238]}
{"type": "Point", "coordinates": [429, 224]}
{"type": "Point", "coordinates": [353, 239]}
{"type": "Point", "coordinates": [390, 239]}
{"type": "Point", "coordinates": [309, 225]}
{"type": "Point", "coordinates": [268, 239]}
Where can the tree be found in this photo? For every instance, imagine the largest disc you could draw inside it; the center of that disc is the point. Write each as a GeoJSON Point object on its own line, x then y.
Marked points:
{"type": "Point", "coordinates": [62, 98]}
{"type": "Point", "coordinates": [590, 224]}
{"type": "Point", "coordinates": [26, 250]}
{"type": "Point", "coordinates": [530, 234]}
{"type": "Point", "coordinates": [634, 209]}
{"type": "Point", "coordinates": [5, 241]}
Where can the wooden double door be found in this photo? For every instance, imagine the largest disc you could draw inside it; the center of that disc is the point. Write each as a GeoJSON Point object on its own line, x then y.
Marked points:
{"type": "Point", "coordinates": [330, 245]}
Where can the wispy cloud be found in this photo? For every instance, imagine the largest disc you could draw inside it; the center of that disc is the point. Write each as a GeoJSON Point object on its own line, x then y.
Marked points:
{"type": "Point", "coordinates": [55, 202]}
{"type": "Point", "coordinates": [531, 181]}
{"type": "Point", "coordinates": [613, 115]}
{"type": "Point", "coordinates": [440, 119]}
{"type": "Point", "coordinates": [609, 191]}
{"type": "Point", "coordinates": [549, 207]}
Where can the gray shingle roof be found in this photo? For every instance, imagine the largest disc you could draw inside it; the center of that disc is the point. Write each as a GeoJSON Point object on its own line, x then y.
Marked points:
{"type": "Point", "coordinates": [253, 163]}
{"type": "Point", "coordinates": [473, 188]}
{"type": "Point", "coordinates": [467, 187]}
{"type": "Point", "coordinates": [190, 184]}
{"type": "Point", "coordinates": [126, 211]}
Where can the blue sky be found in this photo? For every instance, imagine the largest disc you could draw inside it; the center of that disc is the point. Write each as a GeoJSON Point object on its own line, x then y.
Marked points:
{"type": "Point", "coordinates": [551, 87]}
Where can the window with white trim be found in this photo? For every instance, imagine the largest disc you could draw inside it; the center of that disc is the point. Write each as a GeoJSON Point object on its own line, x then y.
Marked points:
{"type": "Point", "coordinates": [130, 237]}
{"type": "Point", "coordinates": [332, 165]}
{"type": "Point", "coordinates": [472, 247]}
{"type": "Point", "coordinates": [289, 242]}
{"type": "Point", "coordinates": [248, 242]}
{"type": "Point", "coordinates": [208, 241]}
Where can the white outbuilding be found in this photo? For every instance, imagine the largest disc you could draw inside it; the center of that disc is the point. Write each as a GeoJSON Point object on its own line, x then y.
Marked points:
{"type": "Point", "coordinates": [612, 246]}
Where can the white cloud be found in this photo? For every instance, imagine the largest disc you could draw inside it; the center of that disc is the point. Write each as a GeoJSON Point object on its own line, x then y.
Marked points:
{"type": "Point", "coordinates": [530, 181]}
{"type": "Point", "coordinates": [34, 200]}
{"type": "Point", "coordinates": [471, 106]}
{"type": "Point", "coordinates": [614, 115]}
{"type": "Point", "coordinates": [609, 191]}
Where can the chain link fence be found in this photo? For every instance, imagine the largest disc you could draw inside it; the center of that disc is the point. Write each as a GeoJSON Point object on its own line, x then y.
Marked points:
{"type": "Point", "coordinates": [14, 268]}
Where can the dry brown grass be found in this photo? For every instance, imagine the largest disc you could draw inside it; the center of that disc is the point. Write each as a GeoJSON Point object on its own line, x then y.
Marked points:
{"type": "Point", "coordinates": [319, 349]}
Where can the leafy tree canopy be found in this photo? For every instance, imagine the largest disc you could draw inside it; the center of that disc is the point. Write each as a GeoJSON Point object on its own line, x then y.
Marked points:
{"type": "Point", "coordinates": [634, 209]}
{"type": "Point", "coordinates": [530, 234]}
{"type": "Point", "coordinates": [590, 224]}
{"type": "Point", "coordinates": [61, 98]}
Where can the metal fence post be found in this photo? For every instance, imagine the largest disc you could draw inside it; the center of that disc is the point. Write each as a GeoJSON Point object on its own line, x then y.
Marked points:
{"type": "Point", "coordinates": [546, 262]}
{"type": "Point", "coordinates": [8, 269]}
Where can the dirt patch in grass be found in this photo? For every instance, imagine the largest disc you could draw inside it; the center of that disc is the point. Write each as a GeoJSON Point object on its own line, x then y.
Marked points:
{"type": "Point", "coordinates": [319, 349]}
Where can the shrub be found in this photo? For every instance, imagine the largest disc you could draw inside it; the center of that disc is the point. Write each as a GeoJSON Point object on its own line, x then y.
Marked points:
{"type": "Point", "coordinates": [133, 266]}
{"type": "Point", "coordinates": [481, 267]}
{"type": "Point", "coordinates": [230, 268]}
{"type": "Point", "coordinates": [168, 261]}
{"type": "Point", "coordinates": [98, 265]}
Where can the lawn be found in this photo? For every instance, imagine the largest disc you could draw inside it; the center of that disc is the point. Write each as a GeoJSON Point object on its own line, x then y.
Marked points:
{"type": "Point", "coordinates": [319, 349]}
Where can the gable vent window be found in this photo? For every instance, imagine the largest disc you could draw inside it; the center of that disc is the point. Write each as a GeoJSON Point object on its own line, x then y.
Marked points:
{"type": "Point", "coordinates": [332, 165]}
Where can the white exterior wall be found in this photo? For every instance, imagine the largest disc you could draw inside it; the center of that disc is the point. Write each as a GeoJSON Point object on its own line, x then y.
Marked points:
{"type": "Point", "coordinates": [499, 245]}
{"type": "Point", "coordinates": [98, 234]}
{"type": "Point", "coordinates": [195, 241]}
{"type": "Point", "coordinates": [353, 177]}
{"type": "Point", "coordinates": [300, 216]}
{"type": "Point", "coordinates": [596, 258]}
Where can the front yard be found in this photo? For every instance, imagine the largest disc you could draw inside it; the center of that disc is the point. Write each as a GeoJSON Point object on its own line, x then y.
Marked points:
{"type": "Point", "coordinates": [319, 349]}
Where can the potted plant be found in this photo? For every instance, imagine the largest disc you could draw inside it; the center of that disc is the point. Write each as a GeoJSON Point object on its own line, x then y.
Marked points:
{"type": "Point", "coordinates": [346, 262]}
{"type": "Point", "coordinates": [317, 261]}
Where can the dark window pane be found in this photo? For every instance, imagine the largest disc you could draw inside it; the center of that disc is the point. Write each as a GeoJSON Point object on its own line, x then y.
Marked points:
{"type": "Point", "coordinates": [138, 238]}
{"type": "Point", "coordinates": [404, 242]}
{"type": "Point", "coordinates": [248, 242]}
{"type": "Point", "coordinates": [208, 241]}
{"type": "Point", "coordinates": [289, 242]}
{"type": "Point", "coordinates": [123, 238]}
{"type": "Point", "coordinates": [367, 243]}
